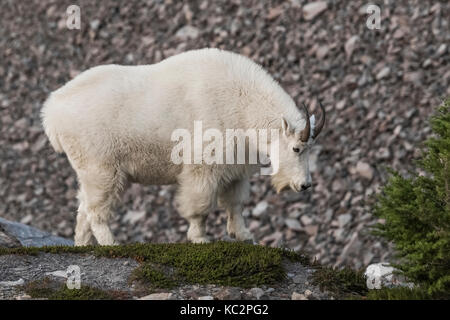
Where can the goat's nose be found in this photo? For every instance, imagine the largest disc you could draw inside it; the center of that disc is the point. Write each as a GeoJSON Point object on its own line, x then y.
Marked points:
{"type": "Point", "coordinates": [306, 186]}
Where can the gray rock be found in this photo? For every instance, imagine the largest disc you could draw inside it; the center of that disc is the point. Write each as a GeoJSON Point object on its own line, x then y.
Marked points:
{"type": "Point", "coordinates": [343, 219]}
{"type": "Point", "coordinates": [308, 293]}
{"type": "Point", "coordinates": [350, 45]}
{"type": "Point", "coordinates": [12, 283]}
{"type": "Point", "coordinates": [256, 292]}
{"type": "Point", "coordinates": [187, 32]}
{"type": "Point", "coordinates": [293, 224]}
{"type": "Point", "coordinates": [157, 296]}
{"type": "Point", "coordinates": [132, 217]}
{"type": "Point", "coordinates": [229, 294]}
{"type": "Point", "coordinates": [299, 279]}
{"type": "Point", "coordinates": [7, 240]}
{"type": "Point", "coordinates": [353, 246]}
{"type": "Point", "coordinates": [313, 9]}
{"type": "Point", "coordinates": [260, 208]}
{"type": "Point", "coordinates": [30, 237]}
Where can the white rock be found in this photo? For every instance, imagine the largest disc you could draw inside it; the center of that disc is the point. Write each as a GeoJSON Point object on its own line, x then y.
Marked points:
{"type": "Point", "coordinates": [383, 73]}
{"type": "Point", "coordinates": [350, 45]}
{"type": "Point", "coordinates": [298, 296]}
{"type": "Point", "coordinates": [364, 170]}
{"type": "Point", "coordinates": [341, 104]}
{"type": "Point", "coordinates": [313, 9]}
{"type": "Point", "coordinates": [306, 220]}
{"type": "Point", "coordinates": [27, 219]}
{"type": "Point", "coordinates": [206, 298]}
{"type": "Point", "coordinates": [382, 275]}
{"type": "Point", "coordinates": [308, 293]}
{"type": "Point", "coordinates": [442, 49]}
{"type": "Point", "coordinates": [260, 208]}
{"type": "Point", "coordinates": [187, 32]}
{"type": "Point", "coordinates": [94, 24]}
{"type": "Point", "coordinates": [57, 273]}
{"type": "Point", "coordinates": [322, 51]}
{"type": "Point", "coordinates": [257, 292]}
{"type": "Point", "coordinates": [157, 296]}
{"type": "Point", "coordinates": [133, 216]}
{"type": "Point", "coordinates": [343, 219]}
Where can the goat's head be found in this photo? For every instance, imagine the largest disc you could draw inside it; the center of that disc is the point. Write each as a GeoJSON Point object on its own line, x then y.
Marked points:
{"type": "Point", "coordinates": [294, 145]}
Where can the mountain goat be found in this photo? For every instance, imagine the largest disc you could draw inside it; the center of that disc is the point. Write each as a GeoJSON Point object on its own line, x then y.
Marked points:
{"type": "Point", "coordinates": [115, 124]}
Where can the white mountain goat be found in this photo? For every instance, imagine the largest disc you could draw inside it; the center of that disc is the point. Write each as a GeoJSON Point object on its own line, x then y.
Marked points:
{"type": "Point", "coordinates": [115, 124]}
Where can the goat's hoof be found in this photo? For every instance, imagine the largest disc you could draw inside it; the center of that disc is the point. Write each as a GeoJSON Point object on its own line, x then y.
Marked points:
{"type": "Point", "coordinates": [200, 240]}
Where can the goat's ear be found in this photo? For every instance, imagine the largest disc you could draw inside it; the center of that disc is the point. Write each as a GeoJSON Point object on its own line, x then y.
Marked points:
{"type": "Point", "coordinates": [285, 127]}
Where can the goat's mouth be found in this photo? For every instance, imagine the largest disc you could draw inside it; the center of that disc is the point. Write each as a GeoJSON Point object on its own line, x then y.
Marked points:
{"type": "Point", "coordinates": [284, 188]}
{"type": "Point", "coordinates": [295, 188]}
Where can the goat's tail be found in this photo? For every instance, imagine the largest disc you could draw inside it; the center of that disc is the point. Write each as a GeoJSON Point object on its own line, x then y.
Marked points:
{"type": "Point", "coordinates": [47, 117]}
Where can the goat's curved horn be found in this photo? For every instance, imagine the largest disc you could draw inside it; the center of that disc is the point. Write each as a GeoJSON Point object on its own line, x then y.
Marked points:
{"type": "Point", "coordinates": [321, 123]}
{"type": "Point", "coordinates": [304, 134]}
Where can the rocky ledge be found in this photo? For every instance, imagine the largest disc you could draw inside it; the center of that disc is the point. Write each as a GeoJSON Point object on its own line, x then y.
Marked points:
{"type": "Point", "coordinates": [112, 275]}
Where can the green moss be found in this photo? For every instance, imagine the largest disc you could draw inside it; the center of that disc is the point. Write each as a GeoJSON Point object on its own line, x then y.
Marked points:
{"type": "Point", "coordinates": [155, 277]}
{"type": "Point", "coordinates": [345, 283]}
{"type": "Point", "coordinates": [351, 284]}
{"type": "Point", "coordinates": [53, 290]}
{"type": "Point", "coordinates": [402, 293]}
{"type": "Point", "coordinates": [166, 265]}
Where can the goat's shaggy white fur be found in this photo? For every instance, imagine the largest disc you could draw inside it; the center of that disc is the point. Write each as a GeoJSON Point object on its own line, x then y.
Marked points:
{"type": "Point", "coordinates": [115, 122]}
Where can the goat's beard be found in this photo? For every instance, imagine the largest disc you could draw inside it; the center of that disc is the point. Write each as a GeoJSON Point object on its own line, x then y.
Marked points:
{"type": "Point", "coordinates": [280, 182]}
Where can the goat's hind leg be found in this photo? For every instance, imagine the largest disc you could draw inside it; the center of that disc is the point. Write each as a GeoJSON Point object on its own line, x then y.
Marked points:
{"type": "Point", "coordinates": [102, 189]}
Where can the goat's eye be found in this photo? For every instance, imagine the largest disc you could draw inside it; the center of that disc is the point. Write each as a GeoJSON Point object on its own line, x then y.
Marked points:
{"type": "Point", "coordinates": [296, 149]}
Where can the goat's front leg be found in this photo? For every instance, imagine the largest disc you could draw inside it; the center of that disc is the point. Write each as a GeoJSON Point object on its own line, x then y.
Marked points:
{"type": "Point", "coordinates": [231, 199]}
{"type": "Point", "coordinates": [236, 224]}
{"type": "Point", "coordinates": [83, 232]}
